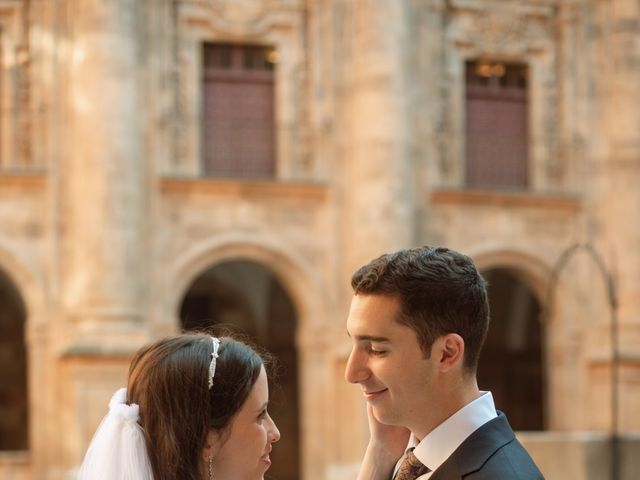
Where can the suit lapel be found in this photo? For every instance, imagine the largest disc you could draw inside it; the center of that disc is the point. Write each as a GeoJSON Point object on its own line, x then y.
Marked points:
{"type": "Point", "coordinates": [472, 454]}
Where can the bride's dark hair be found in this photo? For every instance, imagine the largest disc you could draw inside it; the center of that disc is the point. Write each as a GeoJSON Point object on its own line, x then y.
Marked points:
{"type": "Point", "coordinates": [169, 381]}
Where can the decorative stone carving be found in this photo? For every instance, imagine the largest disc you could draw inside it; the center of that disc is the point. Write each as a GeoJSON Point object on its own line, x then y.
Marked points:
{"type": "Point", "coordinates": [241, 17]}
{"type": "Point", "coordinates": [180, 134]}
{"type": "Point", "coordinates": [240, 11]}
{"type": "Point", "coordinates": [498, 27]}
{"type": "Point", "coordinates": [15, 120]}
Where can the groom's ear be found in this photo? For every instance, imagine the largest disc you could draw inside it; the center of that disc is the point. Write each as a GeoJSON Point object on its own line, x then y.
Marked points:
{"type": "Point", "coordinates": [451, 352]}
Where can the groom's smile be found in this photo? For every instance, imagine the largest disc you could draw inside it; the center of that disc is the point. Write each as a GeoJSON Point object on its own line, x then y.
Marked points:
{"type": "Point", "coordinates": [374, 394]}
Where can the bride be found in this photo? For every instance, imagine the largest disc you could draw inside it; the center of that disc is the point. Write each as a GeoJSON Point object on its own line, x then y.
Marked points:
{"type": "Point", "coordinates": [195, 408]}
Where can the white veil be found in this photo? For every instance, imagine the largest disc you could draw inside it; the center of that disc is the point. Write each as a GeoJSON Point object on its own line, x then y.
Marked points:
{"type": "Point", "coordinates": [118, 450]}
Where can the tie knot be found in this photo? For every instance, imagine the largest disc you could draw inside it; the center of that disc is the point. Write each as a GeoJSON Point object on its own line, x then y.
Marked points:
{"type": "Point", "coordinates": [411, 468]}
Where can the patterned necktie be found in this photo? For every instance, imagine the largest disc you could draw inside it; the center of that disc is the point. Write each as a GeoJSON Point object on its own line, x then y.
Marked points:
{"type": "Point", "coordinates": [411, 468]}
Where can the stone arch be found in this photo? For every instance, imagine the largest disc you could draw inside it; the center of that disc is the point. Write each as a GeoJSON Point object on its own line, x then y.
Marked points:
{"type": "Point", "coordinates": [531, 270]}
{"type": "Point", "coordinates": [311, 302]}
{"type": "Point", "coordinates": [296, 275]}
{"type": "Point", "coordinates": [14, 417]}
{"type": "Point", "coordinates": [29, 285]}
{"type": "Point", "coordinates": [513, 364]}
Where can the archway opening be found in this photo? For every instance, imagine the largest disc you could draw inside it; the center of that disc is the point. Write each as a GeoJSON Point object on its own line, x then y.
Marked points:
{"type": "Point", "coordinates": [511, 364]}
{"type": "Point", "coordinates": [14, 404]}
{"type": "Point", "coordinates": [247, 296]}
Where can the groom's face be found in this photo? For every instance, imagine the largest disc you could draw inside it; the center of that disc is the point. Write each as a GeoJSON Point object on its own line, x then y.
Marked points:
{"type": "Point", "coordinates": [388, 363]}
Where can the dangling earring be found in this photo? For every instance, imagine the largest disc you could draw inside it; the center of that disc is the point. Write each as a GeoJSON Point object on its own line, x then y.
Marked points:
{"type": "Point", "coordinates": [210, 468]}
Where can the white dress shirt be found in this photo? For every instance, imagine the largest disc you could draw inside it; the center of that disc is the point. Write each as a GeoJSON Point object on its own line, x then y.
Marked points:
{"type": "Point", "coordinates": [442, 441]}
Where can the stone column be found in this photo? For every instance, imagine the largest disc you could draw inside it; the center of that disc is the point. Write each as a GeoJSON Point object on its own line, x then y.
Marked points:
{"type": "Point", "coordinates": [103, 186]}
{"type": "Point", "coordinates": [374, 166]}
{"type": "Point", "coordinates": [617, 195]}
{"type": "Point", "coordinates": [622, 124]}
{"type": "Point", "coordinates": [372, 169]}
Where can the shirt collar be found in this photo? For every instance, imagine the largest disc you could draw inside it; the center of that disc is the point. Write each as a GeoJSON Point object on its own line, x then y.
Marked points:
{"type": "Point", "coordinates": [442, 441]}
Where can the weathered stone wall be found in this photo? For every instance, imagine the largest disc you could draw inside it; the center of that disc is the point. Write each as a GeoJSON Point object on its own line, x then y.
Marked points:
{"type": "Point", "coordinates": [105, 219]}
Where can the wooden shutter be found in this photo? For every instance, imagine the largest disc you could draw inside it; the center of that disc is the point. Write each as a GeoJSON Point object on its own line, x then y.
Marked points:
{"type": "Point", "coordinates": [496, 123]}
{"type": "Point", "coordinates": [238, 122]}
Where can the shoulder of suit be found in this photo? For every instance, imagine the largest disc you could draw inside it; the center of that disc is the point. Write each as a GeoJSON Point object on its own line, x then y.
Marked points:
{"type": "Point", "coordinates": [510, 462]}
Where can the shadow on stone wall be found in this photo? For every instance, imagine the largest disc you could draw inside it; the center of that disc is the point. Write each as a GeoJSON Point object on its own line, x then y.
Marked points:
{"type": "Point", "coordinates": [581, 455]}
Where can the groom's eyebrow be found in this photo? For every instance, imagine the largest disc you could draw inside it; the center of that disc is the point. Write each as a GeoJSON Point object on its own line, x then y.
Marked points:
{"type": "Point", "coordinates": [370, 338]}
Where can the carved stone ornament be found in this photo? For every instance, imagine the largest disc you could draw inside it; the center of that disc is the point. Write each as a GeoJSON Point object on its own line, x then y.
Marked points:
{"type": "Point", "coordinates": [501, 26]}
{"type": "Point", "coordinates": [241, 11]}
{"type": "Point", "coordinates": [238, 16]}
{"type": "Point", "coordinates": [495, 28]}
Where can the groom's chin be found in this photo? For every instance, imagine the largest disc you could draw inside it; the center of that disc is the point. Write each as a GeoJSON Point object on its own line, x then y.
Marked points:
{"type": "Point", "coordinates": [385, 415]}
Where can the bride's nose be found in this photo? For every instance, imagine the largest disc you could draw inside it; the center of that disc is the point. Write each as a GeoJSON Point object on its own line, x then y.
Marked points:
{"type": "Point", "coordinates": [274, 433]}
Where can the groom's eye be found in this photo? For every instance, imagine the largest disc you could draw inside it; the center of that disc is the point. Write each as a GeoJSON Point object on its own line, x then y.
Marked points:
{"type": "Point", "coordinates": [375, 351]}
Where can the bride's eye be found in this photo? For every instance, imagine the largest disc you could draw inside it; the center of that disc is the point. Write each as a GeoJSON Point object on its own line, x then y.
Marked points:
{"type": "Point", "coordinates": [263, 415]}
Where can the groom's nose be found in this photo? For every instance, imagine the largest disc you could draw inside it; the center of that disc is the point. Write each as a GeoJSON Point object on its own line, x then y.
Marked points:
{"type": "Point", "coordinates": [356, 370]}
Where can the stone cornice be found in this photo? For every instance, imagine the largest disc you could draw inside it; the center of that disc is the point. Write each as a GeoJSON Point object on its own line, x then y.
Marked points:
{"type": "Point", "coordinates": [14, 181]}
{"type": "Point", "coordinates": [97, 352]}
{"type": "Point", "coordinates": [15, 457]}
{"type": "Point", "coordinates": [536, 200]}
{"type": "Point", "coordinates": [315, 192]}
{"type": "Point", "coordinates": [625, 357]}
{"type": "Point", "coordinates": [537, 7]}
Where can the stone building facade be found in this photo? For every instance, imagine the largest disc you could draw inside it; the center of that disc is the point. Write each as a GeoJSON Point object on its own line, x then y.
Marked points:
{"type": "Point", "coordinates": [379, 124]}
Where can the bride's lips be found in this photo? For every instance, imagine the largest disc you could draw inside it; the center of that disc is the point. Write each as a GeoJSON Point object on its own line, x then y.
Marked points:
{"type": "Point", "coordinates": [373, 394]}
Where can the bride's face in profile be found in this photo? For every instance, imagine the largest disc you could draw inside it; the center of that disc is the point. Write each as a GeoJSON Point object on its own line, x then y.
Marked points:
{"type": "Point", "coordinates": [244, 455]}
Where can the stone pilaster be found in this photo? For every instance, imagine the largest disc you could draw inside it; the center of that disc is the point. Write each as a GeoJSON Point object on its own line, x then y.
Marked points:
{"type": "Point", "coordinates": [103, 194]}
{"type": "Point", "coordinates": [616, 196]}
{"type": "Point", "coordinates": [622, 124]}
{"type": "Point", "coordinates": [374, 165]}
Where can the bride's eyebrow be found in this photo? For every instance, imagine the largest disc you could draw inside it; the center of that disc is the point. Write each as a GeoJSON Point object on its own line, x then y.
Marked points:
{"type": "Point", "coordinates": [263, 406]}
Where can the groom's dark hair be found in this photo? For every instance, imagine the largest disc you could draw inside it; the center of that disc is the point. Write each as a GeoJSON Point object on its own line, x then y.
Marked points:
{"type": "Point", "coordinates": [440, 290]}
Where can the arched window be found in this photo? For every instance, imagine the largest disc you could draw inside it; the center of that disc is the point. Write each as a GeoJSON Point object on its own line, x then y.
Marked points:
{"type": "Point", "coordinates": [511, 363]}
{"type": "Point", "coordinates": [14, 405]}
{"type": "Point", "coordinates": [247, 295]}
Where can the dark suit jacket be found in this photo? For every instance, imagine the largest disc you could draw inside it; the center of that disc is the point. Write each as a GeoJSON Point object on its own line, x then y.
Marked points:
{"type": "Point", "coordinates": [490, 453]}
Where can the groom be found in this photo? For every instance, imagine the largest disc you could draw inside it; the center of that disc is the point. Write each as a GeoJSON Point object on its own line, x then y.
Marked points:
{"type": "Point", "coordinates": [418, 319]}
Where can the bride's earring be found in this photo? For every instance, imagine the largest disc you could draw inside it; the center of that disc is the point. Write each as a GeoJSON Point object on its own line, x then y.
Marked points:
{"type": "Point", "coordinates": [210, 468]}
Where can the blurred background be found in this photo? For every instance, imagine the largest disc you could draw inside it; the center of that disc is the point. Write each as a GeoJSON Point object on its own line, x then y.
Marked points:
{"type": "Point", "coordinates": [168, 164]}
